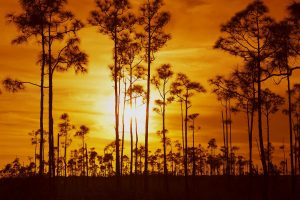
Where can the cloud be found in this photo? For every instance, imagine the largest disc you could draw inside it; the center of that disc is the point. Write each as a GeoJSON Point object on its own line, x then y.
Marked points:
{"type": "Point", "coordinates": [194, 2]}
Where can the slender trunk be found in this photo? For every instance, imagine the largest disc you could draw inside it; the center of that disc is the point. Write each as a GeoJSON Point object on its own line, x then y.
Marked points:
{"type": "Point", "coordinates": [298, 134]}
{"type": "Point", "coordinates": [224, 140]}
{"type": "Point", "coordinates": [83, 157]}
{"type": "Point", "coordinates": [65, 154]}
{"type": "Point", "coordinates": [41, 168]}
{"type": "Point", "coordinates": [230, 137]}
{"type": "Point", "coordinates": [86, 160]}
{"type": "Point", "coordinates": [35, 147]}
{"type": "Point", "coordinates": [136, 142]}
{"type": "Point", "coordinates": [182, 128]}
{"type": "Point", "coordinates": [164, 131]}
{"type": "Point", "coordinates": [123, 125]}
{"type": "Point", "coordinates": [116, 104]}
{"type": "Point", "coordinates": [248, 126]}
{"type": "Point", "coordinates": [185, 134]}
{"type": "Point", "coordinates": [259, 102]}
{"type": "Point", "coordinates": [269, 143]}
{"type": "Point", "coordinates": [57, 164]}
{"type": "Point", "coordinates": [130, 123]}
{"type": "Point", "coordinates": [194, 160]}
{"type": "Point", "coordinates": [295, 151]}
{"type": "Point", "coordinates": [290, 126]}
{"type": "Point", "coordinates": [227, 141]}
{"type": "Point", "coordinates": [148, 94]}
{"type": "Point", "coordinates": [50, 74]}
{"type": "Point", "coordinates": [251, 126]}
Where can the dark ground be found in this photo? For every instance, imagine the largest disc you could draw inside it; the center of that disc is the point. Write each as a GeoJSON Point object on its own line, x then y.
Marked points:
{"type": "Point", "coordinates": [132, 188]}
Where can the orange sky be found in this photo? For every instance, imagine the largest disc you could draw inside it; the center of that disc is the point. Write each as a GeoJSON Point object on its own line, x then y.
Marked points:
{"type": "Point", "coordinates": [88, 98]}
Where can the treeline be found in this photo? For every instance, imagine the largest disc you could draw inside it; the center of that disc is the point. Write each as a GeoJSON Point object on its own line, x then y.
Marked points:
{"type": "Point", "coordinates": [268, 50]}
{"type": "Point", "coordinates": [202, 160]}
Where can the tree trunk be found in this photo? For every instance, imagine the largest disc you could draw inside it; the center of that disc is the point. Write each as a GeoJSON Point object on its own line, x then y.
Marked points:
{"type": "Point", "coordinates": [57, 167]}
{"type": "Point", "coordinates": [269, 143]}
{"type": "Point", "coordinates": [290, 126]}
{"type": "Point", "coordinates": [148, 95]}
{"type": "Point", "coordinates": [227, 141]}
{"type": "Point", "coordinates": [224, 141]}
{"type": "Point", "coordinates": [41, 168]}
{"type": "Point", "coordinates": [65, 155]}
{"type": "Point", "coordinates": [259, 103]}
{"type": "Point", "coordinates": [230, 137]}
{"type": "Point", "coordinates": [130, 123]}
{"type": "Point", "coordinates": [164, 132]}
{"type": "Point", "coordinates": [136, 142]}
{"type": "Point", "coordinates": [186, 127]}
{"type": "Point", "coordinates": [194, 161]}
{"type": "Point", "coordinates": [35, 146]}
{"type": "Point", "coordinates": [182, 128]}
{"type": "Point", "coordinates": [298, 134]}
{"type": "Point", "coordinates": [116, 105]}
{"type": "Point", "coordinates": [86, 160]}
{"type": "Point", "coordinates": [123, 126]}
{"type": "Point", "coordinates": [83, 157]}
{"type": "Point", "coordinates": [50, 74]}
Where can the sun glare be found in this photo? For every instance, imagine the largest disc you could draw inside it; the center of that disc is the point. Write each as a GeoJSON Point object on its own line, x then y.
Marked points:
{"type": "Point", "coordinates": [137, 113]}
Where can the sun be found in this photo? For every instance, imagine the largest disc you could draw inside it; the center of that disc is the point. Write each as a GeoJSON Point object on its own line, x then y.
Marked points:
{"type": "Point", "coordinates": [138, 115]}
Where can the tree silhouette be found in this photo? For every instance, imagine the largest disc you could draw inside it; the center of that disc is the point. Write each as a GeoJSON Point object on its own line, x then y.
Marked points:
{"type": "Point", "coordinates": [285, 42]}
{"type": "Point", "coordinates": [61, 26]}
{"type": "Point", "coordinates": [64, 128]}
{"type": "Point", "coordinates": [135, 92]}
{"type": "Point", "coordinates": [31, 23]}
{"type": "Point", "coordinates": [212, 145]}
{"type": "Point", "coordinates": [130, 49]}
{"type": "Point", "coordinates": [153, 38]}
{"type": "Point", "coordinates": [184, 89]}
{"type": "Point", "coordinates": [247, 35]}
{"type": "Point", "coordinates": [112, 18]}
{"type": "Point", "coordinates": [13, 85]}
{"type": "Point", "coordinates": [83, 130]}
{"type": "Point", "coordinates": [34, 142]}
{"type": "Point", "coordinates": [246, 101]}
{"type": "Point", "coordinates": [295, 111]}
{"type": "Point", "coordinates": [270, 104]}
{"type": "Point", "coordinates": [193, 117]}
{"type": "Point", "coordinates": [225, 89]}
{"type": "Point", "coordinates": [160, 80]}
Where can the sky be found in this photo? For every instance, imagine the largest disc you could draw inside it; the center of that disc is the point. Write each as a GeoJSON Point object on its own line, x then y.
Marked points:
{"type": "Point", "coordinates": [88, 99]}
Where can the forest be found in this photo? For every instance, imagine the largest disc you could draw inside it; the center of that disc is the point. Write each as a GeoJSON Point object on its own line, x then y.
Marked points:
{"type": "Point", "coordinates": [180, 169]}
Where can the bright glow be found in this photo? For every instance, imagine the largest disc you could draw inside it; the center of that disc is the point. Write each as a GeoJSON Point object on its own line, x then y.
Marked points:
{"type": "Point", "coordinates": [107, 108]}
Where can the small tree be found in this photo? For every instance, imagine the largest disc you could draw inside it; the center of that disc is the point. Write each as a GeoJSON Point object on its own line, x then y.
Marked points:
{"type": "Point", "coordinates": [81, 133]}
{"type": "Point", "coordinates": [270, 104]}
{"type": "Point", "coordinates": [34, 141]}
{"type": "Point", "coordinates": [193, 117]}
{"type": "Point", "coordinates": [64, 128]}
{"type": "Point", "coordinates": [184, 89]}
{"type": "Point", "coordinates": [160, 80]}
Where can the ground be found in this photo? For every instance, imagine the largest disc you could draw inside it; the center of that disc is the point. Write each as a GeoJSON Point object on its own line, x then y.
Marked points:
{"type": "Point", "coordinates": [131, 188]}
